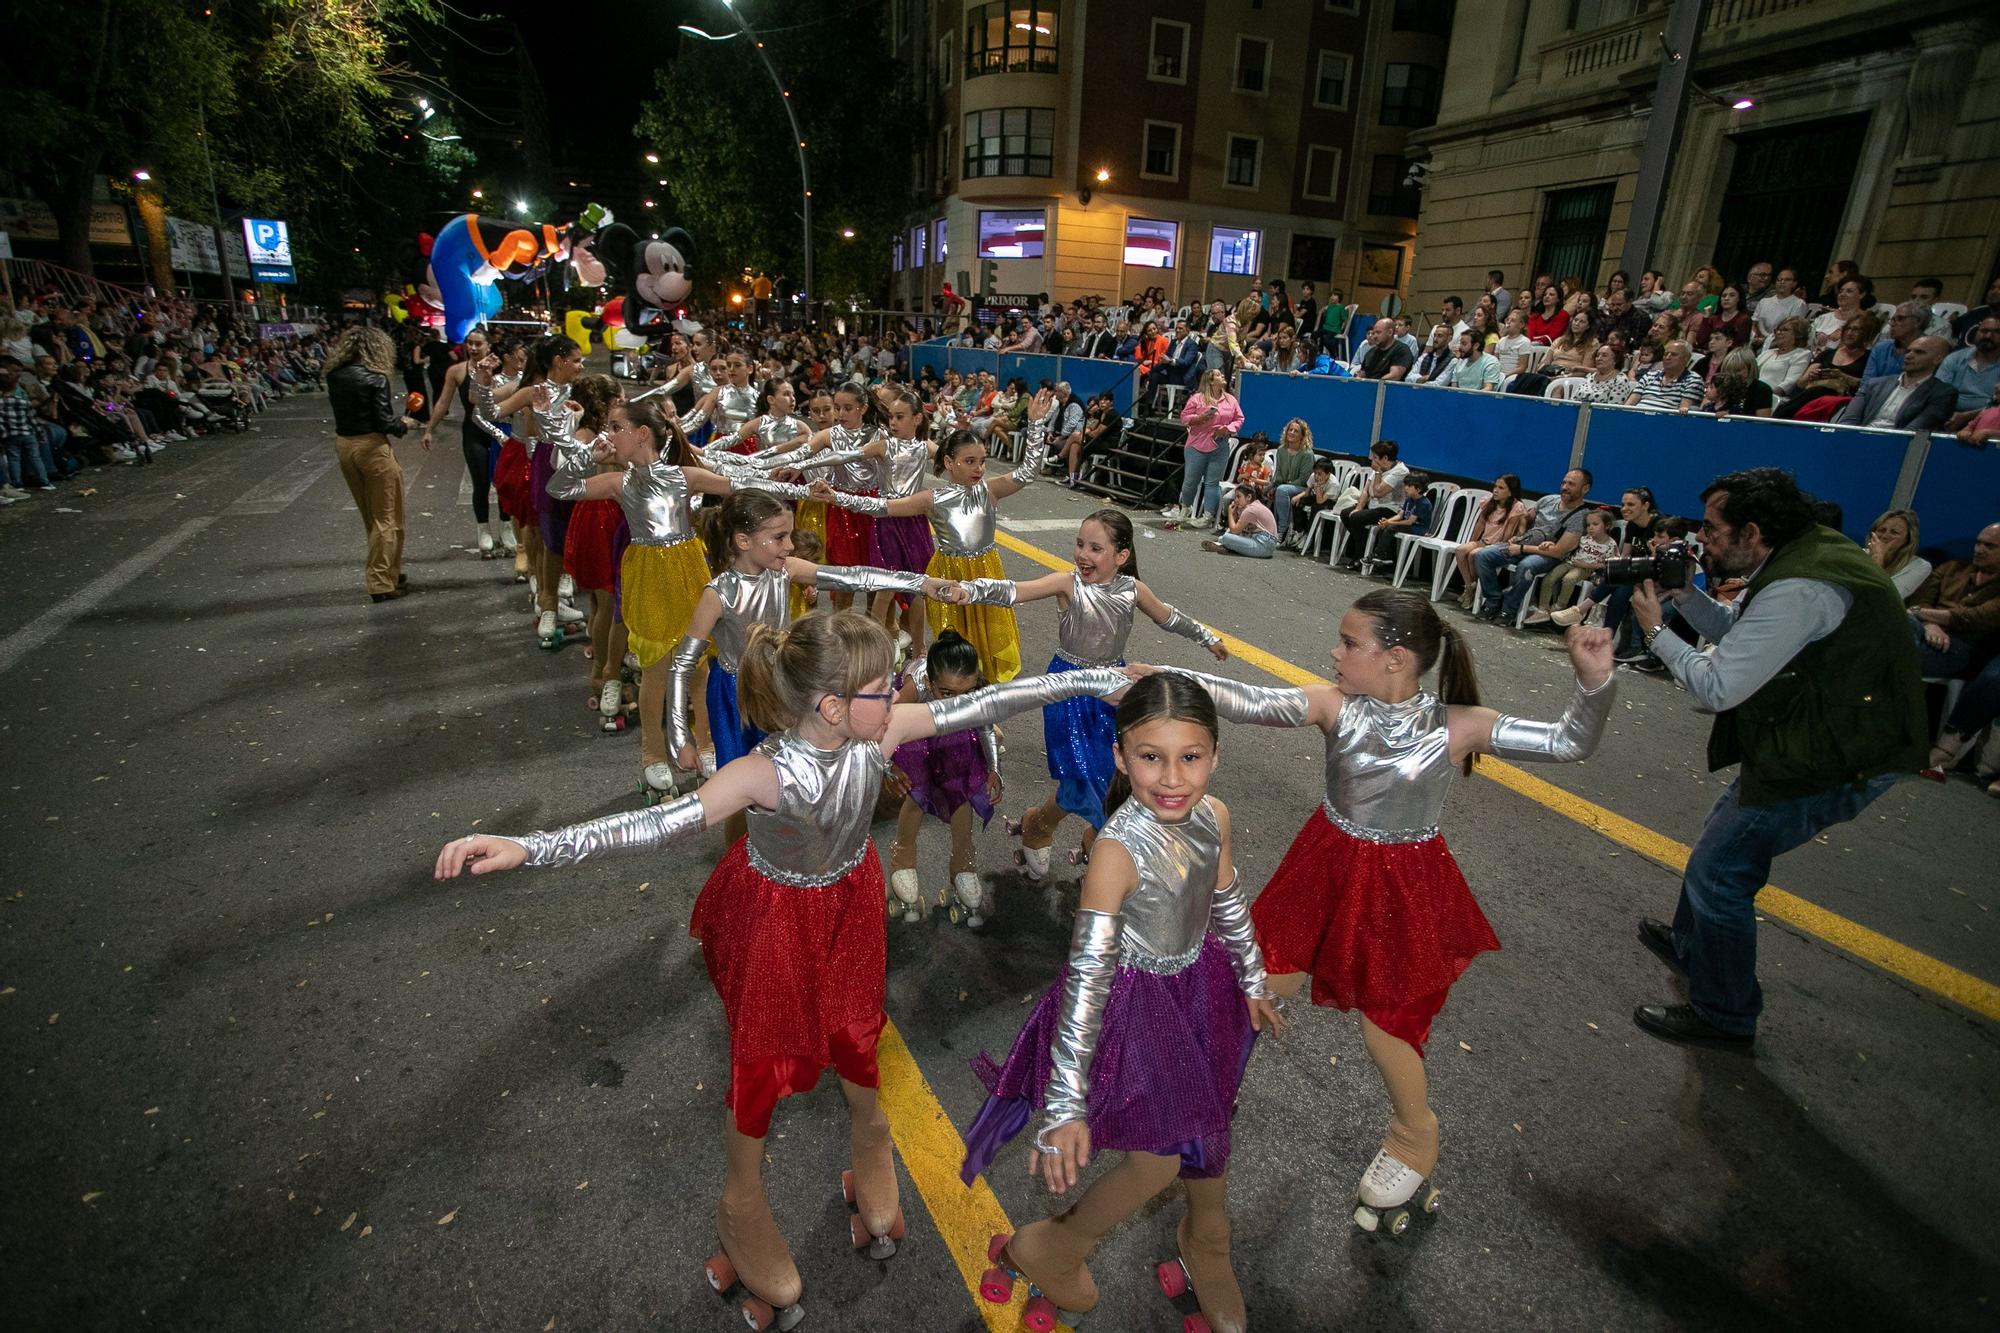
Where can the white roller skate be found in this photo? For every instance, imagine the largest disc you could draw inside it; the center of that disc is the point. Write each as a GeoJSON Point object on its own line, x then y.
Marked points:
{"type": "Point", "coordinates": [546, 632]}
{"type": "Point", "coordinates": [1034, 862]}
{"type": "Point", "coordinates": [971, 901]}
{"type": "Point", "coordinates": [706, 762]}
{"type": "Point", "coordinates": [1390, 1194]}
{"type": "Point", "coordinates": [906, 895]}
{"type": "Point", "coordinates": [534, 593]}
{"type": "Point", "coordinates": [484, 542]}
{"type": "Point", "coordinates": [659, 782]}
{"type": "Point", "coordinates": [569, 615]}
{"type": "Point", "coordinates": [566, 589]}
{"type": "Point", "coordinates": [611, 705]}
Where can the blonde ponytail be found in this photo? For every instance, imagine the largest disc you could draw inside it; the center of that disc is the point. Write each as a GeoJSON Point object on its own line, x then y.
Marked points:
{"type": "Point", "coordinates": [785, 672]}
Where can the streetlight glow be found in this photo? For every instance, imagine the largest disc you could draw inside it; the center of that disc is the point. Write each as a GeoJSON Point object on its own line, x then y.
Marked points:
{"type": "Point", "coordinates": [521, 207]}
{"type": "Point", "coordinates": [142, 175]}
{"type": "Point", "coordinates": [1741, 104]}
{"type": "Point", "coordinates": [847, 232]}
{"type": "Point", "coordinates": [1103, 175]}
{"type": "Point", "coordinates": [654, 158]}
{"type": "Point", "coordinates": [479, 194]}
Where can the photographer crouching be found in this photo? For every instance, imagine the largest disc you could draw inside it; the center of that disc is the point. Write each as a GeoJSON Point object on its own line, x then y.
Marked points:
{"type": "Point", "coordinates": [1815, 693]}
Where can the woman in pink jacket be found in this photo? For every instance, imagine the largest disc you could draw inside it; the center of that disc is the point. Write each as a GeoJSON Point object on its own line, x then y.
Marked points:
{"type": "Point", "coordinates": [1211, 417]}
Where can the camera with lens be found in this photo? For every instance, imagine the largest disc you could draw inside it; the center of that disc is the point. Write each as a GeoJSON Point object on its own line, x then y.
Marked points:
{"type": "Point", "coordinates": [1670, 567]}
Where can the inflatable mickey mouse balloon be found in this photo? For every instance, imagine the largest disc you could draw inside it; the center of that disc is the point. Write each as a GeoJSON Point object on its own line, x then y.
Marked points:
{"type": "Point", "coordinates": [650, 275]}
{"type": "Point", "coordinates": [471, 254]}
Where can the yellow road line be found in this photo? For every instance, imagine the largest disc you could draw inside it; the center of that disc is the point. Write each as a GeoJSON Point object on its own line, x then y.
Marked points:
{"type": "Point", "coordinates": [1960, 987]}
{"type": "Point", "coordinates": [931, 1150]}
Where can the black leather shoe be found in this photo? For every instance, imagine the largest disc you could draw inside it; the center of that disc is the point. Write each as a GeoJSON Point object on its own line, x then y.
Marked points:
{"type": "Point", "coordinates": [1679, 1022]}
{"type": "Point", "coordinates": [1659, 937]}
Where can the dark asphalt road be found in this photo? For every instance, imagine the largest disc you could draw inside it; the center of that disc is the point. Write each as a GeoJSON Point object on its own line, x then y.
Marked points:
{"type": "Point", "coordinates": [262, 1073]}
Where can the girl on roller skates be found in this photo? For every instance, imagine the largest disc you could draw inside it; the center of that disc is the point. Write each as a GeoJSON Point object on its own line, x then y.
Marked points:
{"type": "Point", "coordinates": [951, 778]}
{"type": "Point", "coordinates": [541, 412]}
{"type": "Point", "coordinates": [1096, 604]}
{"type": "Point", "coordinates": [662, 572]}
{"type": "Point", "coordinates": [791, 921]}
{"type": "Point", "coordinates": [595, 542]}
{"type": "Point", "coordinates": [750, 541]}
{"type": "Point", "coordinates": [964, 516]}
{"type": "Point", "coordinates": [513, 487]}
{"type": "Point", "coordinates": [1368, 905]}
{"type": "Point", "coordinates": [1141, 1042]}
{"type": "Point", "coordinates": [479, 439]}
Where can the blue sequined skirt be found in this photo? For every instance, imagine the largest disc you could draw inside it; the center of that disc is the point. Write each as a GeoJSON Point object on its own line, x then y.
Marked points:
{"type": "Point", "coordinates": [1077, 734]}
{"type": "Point", "coordinates": [731, 732]}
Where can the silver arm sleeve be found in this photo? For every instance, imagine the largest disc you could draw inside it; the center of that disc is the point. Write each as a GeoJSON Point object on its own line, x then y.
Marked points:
{"type": "Point", "coordinates": [1036, 455]}
{"type": "Point", "coordinates": [1260, 704]}
{"type": "Point", "coordinates": [866, 578]}
{"type": "Point", "coordinates": [1187, 627]}
{"type": "Point", "coordinates": [695, 420]}
{"type": "Point", "coordinates": [1571, 737]}
{"type": "Point", "coordinates": [784, 490]}
{"type": "Point", "coordinates": [861, 504]}
{"type": "Point", "coordinates": [680, 682]}
{"type": "Point", "coordinates": [628, 831]}
{"type": "Point", "coordinates": [571, 472]}
{"type": "Point", "coordinates": [992, 592]}
{"type": "Point", "coordinates": [829, 458]}
{"type": "Point", "coordinates": [1229, 918]}
{"type": "Point", "coordinates": [984, 707]}
{"type": "Point", "coordinates": [770, 460]}
{"type": "Point", "coordinates": [989, 748]}
{"type": "Point", "coordinates": [1093, 961]}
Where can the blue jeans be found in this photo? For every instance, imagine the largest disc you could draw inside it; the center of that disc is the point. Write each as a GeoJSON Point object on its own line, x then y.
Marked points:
{"type": "Point", "coordinates": [1202, 475]}
{"type": "Point", "coordinates": [1715, 923]}
{"type": "Point", "coordinates": [1281, 506]}
{"type": "Point", "coordinates": [1978, 703]}
{"type": "Point", "coordinates": [1256, 545]}
{"type": "Point", "coordinates": [24, 459]}
{"type": "Point", "coordinates": [1490, 561]}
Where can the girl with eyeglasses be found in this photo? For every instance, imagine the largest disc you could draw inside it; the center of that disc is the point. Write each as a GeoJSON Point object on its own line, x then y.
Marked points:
{"type": "Point", "coordinates": [792, 921]}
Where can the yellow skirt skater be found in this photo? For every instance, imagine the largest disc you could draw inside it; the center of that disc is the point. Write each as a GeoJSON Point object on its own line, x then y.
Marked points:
{"type": "Point", "coordinates": [990, 629]}
{"type": "Point", "coordinates": [658, 589]}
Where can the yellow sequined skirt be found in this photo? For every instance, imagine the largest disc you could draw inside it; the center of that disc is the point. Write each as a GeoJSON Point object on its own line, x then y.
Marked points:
{"type": "Point", "coordinates": [658, 589]}
{"type": "Point", "coordinates": [990, 629]}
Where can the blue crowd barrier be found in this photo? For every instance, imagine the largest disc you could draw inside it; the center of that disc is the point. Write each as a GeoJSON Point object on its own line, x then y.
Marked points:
{"type": "Point", "coordinates": [1957, 494]}
{"type": "Point", "coordinates": [1089, 377]}
{"type": "Point", "coordinates": [1461, 433]}
{"type": "Point", "coordinates": [1086, 377]}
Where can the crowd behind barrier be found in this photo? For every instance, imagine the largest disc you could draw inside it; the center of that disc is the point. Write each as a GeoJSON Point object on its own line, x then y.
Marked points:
{"type": "Point", "coordinates": [1477, 436]}
{"type": "Point", "coordinates": [1086, 376]}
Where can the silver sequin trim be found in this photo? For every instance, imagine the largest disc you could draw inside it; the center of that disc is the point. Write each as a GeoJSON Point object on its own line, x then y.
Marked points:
{"type": "Point", "coordinates": [969, 555]}
{"type": "Point", "coordinates": [1090, 664]}
{"type": "Point", "coordinates": [793, 880]}
{"type": "Point", "coordinates": [1393, 835]}
{"type": "Point", "coordinates": [1166, 967]}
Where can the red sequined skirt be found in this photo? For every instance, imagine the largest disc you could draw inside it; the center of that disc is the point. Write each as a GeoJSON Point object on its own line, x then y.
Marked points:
{"type": "Point", "coordinates": [850, 537]}
{"type": "Point", "coordinates": [512, 483]}
{"type": "Point", "coordinates": [1385, 928]}
{"type": "Point", "coordinates": [800, 975]}
{"type": "Point", "coordinates": [593, 529]}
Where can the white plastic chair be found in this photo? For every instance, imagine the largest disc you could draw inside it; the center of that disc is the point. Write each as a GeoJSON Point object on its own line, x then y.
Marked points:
{"type": "Point", "coordinates": [1533, 359]}
{"type": "Point", "coordinates": [1439, 493]}
{"type": "Point", "coordinates": [1455, 527]}
{"type": "Point", "coordinates": [1344, 475]}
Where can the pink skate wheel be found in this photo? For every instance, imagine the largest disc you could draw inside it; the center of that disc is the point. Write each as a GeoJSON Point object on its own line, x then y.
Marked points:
{"type": "Point", "coordinates": [758, 1314]}
{"type": "Point", "coordinates": [857, 1231]}
{"type": "Point", "coordinates": [896, 1228]}
{"type": "Point", "coordinates": [1194, 1323]}
{"type": "Point", "coordinates": [721, 1273]}
{"type": "Point", "coordinates": [996, 1286]}
{"type": "Point", "coordinates": [994, 1246]}
{"type": "Point", "coordinates": [1172, 1277]}
{"type": "Point", "coordinates": [1040, 1314]}
{"type": "Point", "coordinates": [847, 1186]}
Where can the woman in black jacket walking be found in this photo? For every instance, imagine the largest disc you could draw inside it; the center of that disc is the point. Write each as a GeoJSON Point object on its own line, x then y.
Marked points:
{"type": "Point", "coordinates": [364, 417]}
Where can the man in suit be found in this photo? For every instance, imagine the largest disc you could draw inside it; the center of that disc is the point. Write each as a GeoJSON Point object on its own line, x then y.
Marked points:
{"type": "Point", "coordinates": [1914, 400]}
{"type": "Point", "coordinates": [1097, 342]}
{"type": "Point", "coordinates": [1181, 365]}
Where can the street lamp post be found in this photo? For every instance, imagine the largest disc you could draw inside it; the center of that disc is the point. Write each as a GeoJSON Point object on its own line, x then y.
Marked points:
{"type": "Point", "coordinates": [784, 95]}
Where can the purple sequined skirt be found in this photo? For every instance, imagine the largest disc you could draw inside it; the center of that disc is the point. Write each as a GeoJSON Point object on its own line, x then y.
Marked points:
{"type": "Point", "coordinates": [946, 772]}
{"type": "Point", "coordinates": [550, 513]}
{"type": "Point", "coordinates": [903, 543]}
{"type": "Point", "coordinates": [1170, 1056]}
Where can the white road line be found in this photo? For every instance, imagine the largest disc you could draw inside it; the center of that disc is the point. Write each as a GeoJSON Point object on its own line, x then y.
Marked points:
{"type": "Point", "coordinates": [58, 617]}
{"type": "Point", "coordinates": [1038, 524]}
{"type": "Point", "coordinates": [275, 494]}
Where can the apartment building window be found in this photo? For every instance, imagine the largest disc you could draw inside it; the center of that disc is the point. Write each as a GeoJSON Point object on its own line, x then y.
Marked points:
{"type": "Point", "coordinates": [1009, 39]}
{"type": "Point", "coordinates": [1322, 173]}
{"type": "Point", "coordinates": [937, 240]}
{"type": "Point", "coordinates": [1426, 16]}
{"type": "Point", "coordinates": [1167, 59]}
{"type": "Point", "coordinates": [944, 157]}
{"type": "Point", "coordinates": [1151, 242]}
{"type": "Point", "coordinates": [918, 234]}
{"type": "Point", "coordinates": [1234, 250]}
{"type": "Point", "coordinates": [1574, 223]}
{"type": "Point", "coordinates": [1012, 235]}
{"type": "Point", "coordinates": [1410, 95]}
{"type": "Point", "coordinates": [1253, 64]}
{"type": "Point", "coordinates": [1389, 192]}
{"type": "Point", "coordinates": [896, 255]}
{"type": "Point", "coordinates": [1343, 6]}
{"type": "Point", "coordinates": [1330, 86]}
{"type": "Point", "coordinates": [944, 61]}
{"type": "Point", "coordinates": [1010, 141]}
{"type": "Point", "coordinates": [1245, 161]}
{"type": "Point", "coordinates": [1162, 158]}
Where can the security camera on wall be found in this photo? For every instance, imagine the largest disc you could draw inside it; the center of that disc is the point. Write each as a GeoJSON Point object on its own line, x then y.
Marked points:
{"type": "Point", "coordinates": [1418, 175]}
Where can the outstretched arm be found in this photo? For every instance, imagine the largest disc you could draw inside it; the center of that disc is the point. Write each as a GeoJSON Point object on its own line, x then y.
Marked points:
{"type": "Point", "coordinates": [1011, 592]}
{"type": "Point", "coordinates": [1031, 464]}
{"type": "Point", "coordinates": [1568, 739]}
{"type": "Point", "coordinates": [1264, 705]}
{"type": "Point", "coordinates": [984, 707]}
{"type": "Point", "coordinates": [1172, 621]}
{"type": "Point", "coordinates": [907, 506]}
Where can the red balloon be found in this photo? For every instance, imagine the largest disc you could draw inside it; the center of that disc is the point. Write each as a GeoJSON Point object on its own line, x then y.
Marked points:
{"type": "Point", "coordinates": [413, 402]}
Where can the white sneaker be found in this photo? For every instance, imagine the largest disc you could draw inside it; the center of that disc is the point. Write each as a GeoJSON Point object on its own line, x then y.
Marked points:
{"type": "Point", "coordinates": [6, 499]}
{"type": "Point", "coordinates": [1569, 615]}
{"type": "Point", "coordinates": [1538, 617]}
{"type": "Point", "coordinates": [1173, 513]}
{"type": "Point", "coordinates": [122, 454]}
{"type": "Point", "coordinates": [569, 615]}
{"type": "Point", "coordinates": [158, 444]}
{"type": "Point", "coordinates": [13, 492]}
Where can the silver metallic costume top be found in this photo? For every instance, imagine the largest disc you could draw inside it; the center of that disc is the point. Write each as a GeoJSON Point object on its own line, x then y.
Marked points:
{"type": "Point", "coordinates": [778, 434]}
{"type": "Point", "coordinates": [484, 401]}
{"type": "Point", "coordinates": [760, 599]}
{"type": "Point", "coordinates": [555, 423]}
{"type": "Point", "coordinates": [1159, 928]}
{"type": "Point", "coordinates": [703, 379]}
{"type": "Point", "coordinates": [655, 500]}
{"type": "Point", "coordinates": [905, 467]}
{"type": "Point", "coordinates": [855, 474]}
{"type": "Point", "coordinates": [918, 672]}
{"type": "Point", "coordinates": [1093, 625]}
{"type": "Point", "coordinates": [826, 802]}
{"type": "Point", "coordinates": [734, 405]}
{"type": "Point", "coordinates": [574, 463]}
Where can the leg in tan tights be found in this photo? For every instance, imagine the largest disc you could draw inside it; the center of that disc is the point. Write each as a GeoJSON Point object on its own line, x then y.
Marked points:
{"type": "Point", "coordinates": [1039, 825]}
{"type": "Point", "coordinates": [603, 666]}
{"type": "Point", "coordinates": [1413, 1128]}
{"type": "Point", "coordinates": [903, 852]}
{"type": "Point", "coordinates": [750, 1235]}
{"type": "Point", "coordinates": [874, 1163]}
{"type": "Point", "coordinates": [1053, 1254]}
{"type": "Point", "coordinates": [961, 840]}
{"type": "Point", "coordinates": [548, 576]}
{"type": "Point", "coordinates": [652, 713]}
{"type": "Point", "coordinates": [1204, 1251]}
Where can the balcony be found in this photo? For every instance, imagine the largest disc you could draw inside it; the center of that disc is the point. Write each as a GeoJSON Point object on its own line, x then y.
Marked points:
{"type": "Point", "coordinates": [1611, 52]}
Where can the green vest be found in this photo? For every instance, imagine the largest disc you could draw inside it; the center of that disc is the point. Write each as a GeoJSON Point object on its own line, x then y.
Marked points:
{"type": "Point", "coordinates": [1849, 706]}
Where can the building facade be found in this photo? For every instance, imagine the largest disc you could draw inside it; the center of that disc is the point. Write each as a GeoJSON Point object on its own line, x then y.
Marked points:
{"type": "Point", "coordinates": [1818, 130]}
{"type": "Point", "coordinates": [1102, 147]}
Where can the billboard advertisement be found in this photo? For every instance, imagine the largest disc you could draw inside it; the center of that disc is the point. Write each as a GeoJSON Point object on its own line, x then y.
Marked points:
{"type": "Point", "coordinates": [269, 246]}
{"type": "Point", "coordinates": [192, 246]}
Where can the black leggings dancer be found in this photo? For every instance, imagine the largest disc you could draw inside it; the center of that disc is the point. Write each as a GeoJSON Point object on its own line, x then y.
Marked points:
{"type": "Point", "coordinates": [481, 452]}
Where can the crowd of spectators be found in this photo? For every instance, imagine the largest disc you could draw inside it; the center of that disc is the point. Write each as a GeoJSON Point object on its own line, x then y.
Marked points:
{"type": "Point", "coordinates": [89, 384]}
